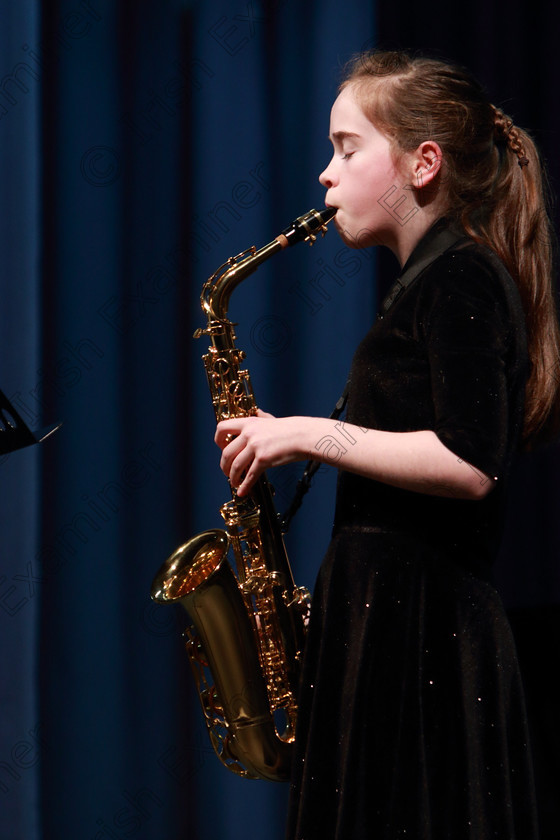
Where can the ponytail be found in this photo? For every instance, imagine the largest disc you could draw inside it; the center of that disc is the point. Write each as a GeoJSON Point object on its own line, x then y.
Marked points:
{"type": "Point", "coordinates": [518, 229]}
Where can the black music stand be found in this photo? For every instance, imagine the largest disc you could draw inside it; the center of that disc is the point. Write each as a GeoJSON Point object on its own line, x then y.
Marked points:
{"type": "Point", "coordinates": [14, 433]}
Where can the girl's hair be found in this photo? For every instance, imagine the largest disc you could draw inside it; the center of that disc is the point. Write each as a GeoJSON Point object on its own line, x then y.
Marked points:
{"type": "Point", "coordinates": [494, 185]}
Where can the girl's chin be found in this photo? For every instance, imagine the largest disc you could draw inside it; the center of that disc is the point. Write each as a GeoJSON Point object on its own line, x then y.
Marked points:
{"type": "Point", "coordinates": [355, 239]}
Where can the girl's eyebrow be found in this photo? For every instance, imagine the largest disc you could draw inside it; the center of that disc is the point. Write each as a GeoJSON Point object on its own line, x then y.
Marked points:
{"type": "Point", "coordinates": [342, 135]}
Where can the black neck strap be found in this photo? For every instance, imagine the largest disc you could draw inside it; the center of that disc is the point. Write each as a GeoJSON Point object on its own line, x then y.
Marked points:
{"type": "Point", "coordinates": [311, 468]}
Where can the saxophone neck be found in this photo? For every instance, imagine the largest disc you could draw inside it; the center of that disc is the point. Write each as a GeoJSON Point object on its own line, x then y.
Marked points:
{"type": "Point", "coordinates": [218, 289]}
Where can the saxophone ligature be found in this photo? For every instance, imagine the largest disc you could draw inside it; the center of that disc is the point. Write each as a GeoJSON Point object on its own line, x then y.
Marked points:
{"type": "Point", "coordinates": [248, 618]}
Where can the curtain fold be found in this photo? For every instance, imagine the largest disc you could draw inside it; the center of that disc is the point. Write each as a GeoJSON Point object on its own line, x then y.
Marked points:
{"type": "Point", "coordinates": [21, 380]}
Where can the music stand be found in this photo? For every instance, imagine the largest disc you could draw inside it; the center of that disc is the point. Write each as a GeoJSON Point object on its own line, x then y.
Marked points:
{"type": "Point", "coordinates": [14, 433]}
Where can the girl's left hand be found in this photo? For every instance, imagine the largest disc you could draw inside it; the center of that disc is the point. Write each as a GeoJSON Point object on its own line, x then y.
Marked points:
{"type": "Point", "coordinates": [250, 445]}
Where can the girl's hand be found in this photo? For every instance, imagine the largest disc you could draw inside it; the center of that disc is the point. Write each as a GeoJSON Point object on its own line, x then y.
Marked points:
{"type": "Point", "coordinates": [250, 445]}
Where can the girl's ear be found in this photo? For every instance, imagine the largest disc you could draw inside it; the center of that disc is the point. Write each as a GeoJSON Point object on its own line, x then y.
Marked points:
{"type": "Point", "coordinates": [425, 164]}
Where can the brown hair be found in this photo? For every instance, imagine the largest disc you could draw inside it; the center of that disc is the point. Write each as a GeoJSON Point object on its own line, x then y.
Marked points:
{"type": "Point", "coordinates": [495, 188]}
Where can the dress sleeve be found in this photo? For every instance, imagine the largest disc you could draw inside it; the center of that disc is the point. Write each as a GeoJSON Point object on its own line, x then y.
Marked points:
{"type": "Point", "coordinates": [467, 328]}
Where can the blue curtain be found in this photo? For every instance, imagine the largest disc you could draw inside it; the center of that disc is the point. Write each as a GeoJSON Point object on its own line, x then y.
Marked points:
{"type": "Point", "coordinates": [20, 363]}
{"type": "Point", "coordinates": [143, 143]}
{"type": "Point", "coordinates": [148, 143]}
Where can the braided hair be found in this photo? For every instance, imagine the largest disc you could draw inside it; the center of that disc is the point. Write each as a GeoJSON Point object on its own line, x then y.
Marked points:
{"type": "Point", "coordinates": [506, 132]}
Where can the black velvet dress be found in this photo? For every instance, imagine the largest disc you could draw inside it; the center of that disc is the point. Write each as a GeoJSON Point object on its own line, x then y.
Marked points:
{"type": "Point", "coordinates": [412, 723]}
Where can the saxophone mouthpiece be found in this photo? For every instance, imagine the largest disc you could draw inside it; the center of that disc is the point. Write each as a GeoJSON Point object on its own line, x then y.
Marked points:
{"type": "Point", "coordinates": [328, 213]}
{"type": "Point", "coordinates": [306, 227]}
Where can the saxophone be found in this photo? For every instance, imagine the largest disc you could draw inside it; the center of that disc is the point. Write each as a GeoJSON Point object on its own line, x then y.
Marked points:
{"type": "Point", "coordinates": [248, 624]}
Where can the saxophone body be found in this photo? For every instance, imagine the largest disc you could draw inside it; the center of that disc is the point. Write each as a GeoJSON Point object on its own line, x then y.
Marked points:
{"type": "Point", "coordinates": [248, 618]}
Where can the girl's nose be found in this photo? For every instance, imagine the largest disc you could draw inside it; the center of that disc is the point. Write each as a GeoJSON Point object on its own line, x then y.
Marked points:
{"type": "Point", "coordinates": [326, 178]}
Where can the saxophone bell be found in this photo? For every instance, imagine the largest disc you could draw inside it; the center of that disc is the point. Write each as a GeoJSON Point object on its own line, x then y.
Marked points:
{"type": "Point", "coordinates": [223, 657]}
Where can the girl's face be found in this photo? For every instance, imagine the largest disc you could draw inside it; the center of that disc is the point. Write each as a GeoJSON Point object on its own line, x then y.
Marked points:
{"type": "Point", "coordinates": [361, 177]}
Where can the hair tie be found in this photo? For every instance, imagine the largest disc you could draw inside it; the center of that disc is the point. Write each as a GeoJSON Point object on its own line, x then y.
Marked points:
{"type": "Point", "coordinates": [523, 161]}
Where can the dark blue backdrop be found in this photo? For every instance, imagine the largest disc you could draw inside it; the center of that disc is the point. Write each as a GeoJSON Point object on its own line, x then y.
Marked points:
{"type": "Point", "coordinates": [142, 144]}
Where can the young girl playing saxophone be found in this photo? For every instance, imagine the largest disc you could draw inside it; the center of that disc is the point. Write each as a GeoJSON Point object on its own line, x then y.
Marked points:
{"type": "Point", "coordinates": [411, 713]}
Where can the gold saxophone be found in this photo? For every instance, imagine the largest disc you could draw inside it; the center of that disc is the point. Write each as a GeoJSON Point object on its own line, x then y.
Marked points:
{"type": "Point", "coordinates": [248, 626]}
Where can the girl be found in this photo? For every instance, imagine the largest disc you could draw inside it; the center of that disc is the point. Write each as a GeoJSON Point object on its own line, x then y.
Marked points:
{"type": "Point", "coordinates": [411, 720]}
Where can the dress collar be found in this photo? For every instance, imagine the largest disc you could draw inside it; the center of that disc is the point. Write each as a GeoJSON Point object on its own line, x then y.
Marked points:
{"type": "Point", "coordinates": [441, 236]}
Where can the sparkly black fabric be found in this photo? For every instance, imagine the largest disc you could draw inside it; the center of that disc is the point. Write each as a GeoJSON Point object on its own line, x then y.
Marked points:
{"type": "Point", "coordinates": [412, 722]}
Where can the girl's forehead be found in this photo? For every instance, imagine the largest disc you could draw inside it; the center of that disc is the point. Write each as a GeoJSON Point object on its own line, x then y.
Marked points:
{"type": "Point", "coordinates": [346, 99]}
{"type": "Point", "coordinates": [347, 116]}
{"type": "Point", "coordinates": [346, 107]}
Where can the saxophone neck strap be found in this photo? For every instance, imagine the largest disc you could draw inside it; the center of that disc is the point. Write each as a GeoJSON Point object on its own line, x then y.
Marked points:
{"type": "Point", "coordinates": [311, 468]}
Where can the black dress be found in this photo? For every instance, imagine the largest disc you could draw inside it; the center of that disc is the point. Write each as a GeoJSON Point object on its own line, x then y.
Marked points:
{"type": "Point", "coordinates": [412, 723]}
